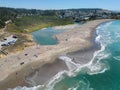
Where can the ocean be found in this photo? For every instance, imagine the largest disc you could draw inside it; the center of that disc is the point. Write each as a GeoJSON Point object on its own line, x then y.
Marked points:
{"type": "Point", "coordinates": [101, 73]}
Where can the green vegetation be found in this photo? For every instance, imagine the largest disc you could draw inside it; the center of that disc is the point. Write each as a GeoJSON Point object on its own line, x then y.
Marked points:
{"type": "Point", "coordinates": [13, 13]}
{"type": "Point", "coordinates": [31, 23]}
{"type": "Point", "coordinates": [6, 14]}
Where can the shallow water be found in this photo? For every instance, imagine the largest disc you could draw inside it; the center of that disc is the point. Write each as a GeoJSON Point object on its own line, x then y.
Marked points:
{"type": "Point", "coordinates": [46, 36]}
{"type": "Point", "coordinates": [102, 73]}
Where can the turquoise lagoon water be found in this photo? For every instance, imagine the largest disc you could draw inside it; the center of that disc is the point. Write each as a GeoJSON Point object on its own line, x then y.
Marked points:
{"type": "Point", "coordinates": [46, 36]}
{"type": "Point", "coordinates": [101, 73]}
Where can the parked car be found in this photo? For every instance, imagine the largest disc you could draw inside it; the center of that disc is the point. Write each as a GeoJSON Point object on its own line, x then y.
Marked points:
{"type": "Point", "coordinates": [4, 44]}
{"type": "Point", "coordinates": [5, 39]}
{"type": "Point", "coordinates": [11, 42]}
{"type": "Point", "coordinates": [14, 36]}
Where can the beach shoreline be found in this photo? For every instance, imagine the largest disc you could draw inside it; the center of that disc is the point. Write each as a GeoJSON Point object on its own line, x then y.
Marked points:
{"type": "Point", "coordinates": [22, 64]}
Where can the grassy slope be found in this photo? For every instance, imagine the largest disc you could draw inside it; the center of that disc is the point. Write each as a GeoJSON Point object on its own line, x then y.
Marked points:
{"type": "Point", "coordinates": [32, 23]}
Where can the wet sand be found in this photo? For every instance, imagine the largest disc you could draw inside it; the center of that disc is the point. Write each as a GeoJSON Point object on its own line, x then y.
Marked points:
{"type": "Point", "coordinates": [14, 68]}
{"type": "Point", "coordinates": [44, 73]}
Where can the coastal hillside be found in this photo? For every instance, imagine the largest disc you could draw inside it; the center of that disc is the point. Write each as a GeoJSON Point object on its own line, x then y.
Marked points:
{"type": "Point", "coordinates": [44, 18]}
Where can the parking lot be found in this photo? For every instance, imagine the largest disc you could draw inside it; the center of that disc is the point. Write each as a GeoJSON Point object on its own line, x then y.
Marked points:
{"type": "Point", "coordinates": [8, 41]}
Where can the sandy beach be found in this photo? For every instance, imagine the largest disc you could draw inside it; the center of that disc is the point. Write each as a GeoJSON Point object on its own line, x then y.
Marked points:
{"type": "Point", "coordinates": [76, 40]}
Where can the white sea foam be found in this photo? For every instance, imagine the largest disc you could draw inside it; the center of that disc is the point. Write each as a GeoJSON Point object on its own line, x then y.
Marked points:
{"type": "Point", "coordinates": [70, 64]}
{"type": "Point", "coordinates": [117, 58]}
{"type": "Point", "coordinates": [83, 84]}
{"type": "Point", "coordinates": [58, 77]}
{"type": "Point", "coordinates": [97, 39]}
{"type": "Point", "coordinates": [97, 68]}
{"type": "Point", "coordinates": [27, 88]}
{"type": "Point", "coordinates": [72, 88]}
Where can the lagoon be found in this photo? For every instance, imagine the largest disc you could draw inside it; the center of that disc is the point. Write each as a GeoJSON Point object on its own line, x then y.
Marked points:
{"type": "Point", "coordinates": [46, 36]}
